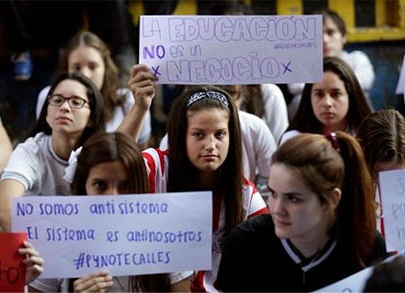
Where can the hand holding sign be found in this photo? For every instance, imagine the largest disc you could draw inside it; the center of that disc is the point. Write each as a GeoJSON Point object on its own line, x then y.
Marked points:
{"type": "Point", "coordinates": [142, 84]}
{"type": "Point", "coordinates": [33, 262]}
{"type": "Point", "coordinates": [100, 281]}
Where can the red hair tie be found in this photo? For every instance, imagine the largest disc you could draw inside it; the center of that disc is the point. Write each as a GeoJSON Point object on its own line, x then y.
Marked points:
{"type": "Point", "coordinates": [331, 136]}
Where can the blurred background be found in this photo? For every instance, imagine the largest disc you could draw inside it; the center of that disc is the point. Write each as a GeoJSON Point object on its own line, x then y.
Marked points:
{"type": "Point", "coordinates": [376, 27]}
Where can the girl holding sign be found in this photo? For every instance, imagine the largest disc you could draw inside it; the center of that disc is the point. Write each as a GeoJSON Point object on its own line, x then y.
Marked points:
{"type": "Point", "coordinates": [204, 139]}
{"type": "Point", "coordinates": [112, 164]}
{"type": "Point", "coordinates": [335, 103]}
{"type": "Point", "coordinates": [73, 112]}
{"type": "Point", "coordinates": [322, 223]}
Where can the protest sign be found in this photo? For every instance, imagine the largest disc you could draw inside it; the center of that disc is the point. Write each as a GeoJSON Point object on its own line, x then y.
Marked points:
{"type": "Point", "coordinates": [232, 49]}
{"type": "Point", "coordinates": [392, 188]}
{"type": "Point", "coordinates": [12, 270]}
{"type": "Point", "coordinates": [357, 281]}
{"type": "Point", "coordinates": [125, 234]}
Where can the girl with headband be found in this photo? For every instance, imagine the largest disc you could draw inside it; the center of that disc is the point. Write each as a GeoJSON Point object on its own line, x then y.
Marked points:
{"type": "Point", "coordinates": [205, 153]}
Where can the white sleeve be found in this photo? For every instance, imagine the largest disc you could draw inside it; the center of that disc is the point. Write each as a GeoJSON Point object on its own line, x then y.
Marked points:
{"type": "Point", "coordinates": [265, 146]}
{"type": "Point", "coordinates": [295, 88]}
{"type": "Point", "coordinates": [41, 100]}
{"type": "Point", "coordinates": [362, 67]}
{"type": "Point", "coordinates": [179, 276]}
{"type": "Point", "coordinates": [164, 143]}
{"type": "Point", "coordinates": [288, 135]}
{"type": "Point", "coordinates": [24, 165]}
{"type": "Point", "coordinates": [276, 115]}
{"type": "Point", "coordinates": [258, 146]}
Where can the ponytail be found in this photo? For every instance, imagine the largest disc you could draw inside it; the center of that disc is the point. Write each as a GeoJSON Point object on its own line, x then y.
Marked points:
{"type": "Point", "coordinates": [356, 220]}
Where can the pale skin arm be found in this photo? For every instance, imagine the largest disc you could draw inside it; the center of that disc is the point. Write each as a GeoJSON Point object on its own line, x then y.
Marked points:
{"type": "Point", "coordinates": [9, 189]}
{"type": "Point", "coordinates": [142, 84]}
{"type": "Point", "coordinates": [33, 261]}
{"type": "Point", "coordinates": [5, 146]}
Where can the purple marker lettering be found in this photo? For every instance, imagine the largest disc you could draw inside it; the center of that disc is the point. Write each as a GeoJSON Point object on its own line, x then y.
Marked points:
{"type": "Point", "coordinates": [223, 29]}
{"type": "Point", "coordinates": [269, 67]}
{"type": "Point", "coordinates": [176, 29]}
{"type": "Point", "coordinates": [151, 28]}
{"type": "Point", "coordinates": [258, 28]}
{"type": "Point", "coordinates": [241, 30]}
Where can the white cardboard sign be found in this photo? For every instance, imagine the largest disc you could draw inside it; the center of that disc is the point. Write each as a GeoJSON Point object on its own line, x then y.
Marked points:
{"type": "Point", "coordinates": [125, 234]}
{"type": "Point", "coordinates": [232, 49]}
{"type": "Point", "coordinates": [392, 186]}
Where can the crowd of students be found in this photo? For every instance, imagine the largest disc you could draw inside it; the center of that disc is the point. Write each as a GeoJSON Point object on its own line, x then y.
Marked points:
{"type": "Point", "coordinates": [322, 219]}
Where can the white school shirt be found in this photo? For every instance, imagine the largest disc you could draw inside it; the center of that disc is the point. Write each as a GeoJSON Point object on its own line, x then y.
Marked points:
{"type": "Point", "coordinates": [121, 284]}
{"type": "Point", "coordinates": [275, 109]}
{"type": "Point", "coordinates": [118, 116]}
{"type": "Point", "coordinates": [35, 164]}
{"type": "Point", "coordinates": [157, 165]}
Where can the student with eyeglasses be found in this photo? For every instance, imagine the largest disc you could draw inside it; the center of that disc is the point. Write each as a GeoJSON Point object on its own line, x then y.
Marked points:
{"type": "Point", "coordinates": [72, 112]}
{"type": "Point", "coordinates": [88, 54]}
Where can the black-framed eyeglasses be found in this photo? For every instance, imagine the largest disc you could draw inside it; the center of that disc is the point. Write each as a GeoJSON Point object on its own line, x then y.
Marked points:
{"type": "Point", "coordinates": [73, 101]}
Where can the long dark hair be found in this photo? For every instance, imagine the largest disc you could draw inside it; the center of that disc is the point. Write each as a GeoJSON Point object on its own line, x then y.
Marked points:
{"type": "Point", "coordinates": [183, 174]}
{"type": "Point", "coordinates": [305, 119]}
{"type": "Point", "coordinates": [96, 107]}
{"type": "Point", "coordinates": [108, 147]}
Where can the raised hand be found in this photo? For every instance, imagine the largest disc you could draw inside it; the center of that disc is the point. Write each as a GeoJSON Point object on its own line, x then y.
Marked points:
{"type": "Point", "coordinates": [142, 84]}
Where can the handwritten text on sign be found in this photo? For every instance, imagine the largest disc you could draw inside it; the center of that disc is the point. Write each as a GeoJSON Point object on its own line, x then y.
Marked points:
{"type": "Point", "coordinates": [232, 49]}
{"type": "Point", "coordinates": [126, 234]}
{"type": "Point", "coordinates": [392, 186]}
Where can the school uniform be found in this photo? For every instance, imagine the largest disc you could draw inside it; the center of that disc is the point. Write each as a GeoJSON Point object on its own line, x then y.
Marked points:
{"type": "Point", "coordinates": [35, 165]}
{"type": "Point", "coordinates": [253, 204]}
{"type": "Point", "coordinates": [275, 110]}
{"type": "Point", "coordinates": [255, 259]}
